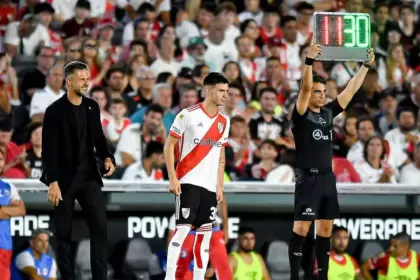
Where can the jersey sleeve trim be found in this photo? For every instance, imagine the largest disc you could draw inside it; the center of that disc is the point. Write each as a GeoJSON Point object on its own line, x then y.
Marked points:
{"type": "Point", "coordinates": [174, 134]}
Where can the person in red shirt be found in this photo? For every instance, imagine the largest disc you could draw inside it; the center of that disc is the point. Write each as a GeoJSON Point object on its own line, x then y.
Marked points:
{"type": "Point", "coordinates": [398, 254]}
{"type": "Point", "coordinates": [7, 15]}
{"type": "Point", "coordinates": [270, 26]}
{"type": "Point", "coordinates": [344, 171]}
{"type": "Point", "coordinates": [80, 25]}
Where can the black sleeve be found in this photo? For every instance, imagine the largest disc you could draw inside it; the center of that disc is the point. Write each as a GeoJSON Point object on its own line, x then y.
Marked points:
{"type": "Point", "coordinates": [296, 117]}
{"type": "Point", "coordinates": [335, 107]}
{"type": "Point", "coordinates": [253, 129]}
{"type": "Point", "coordinates": [101, 144]}
{"type": "Point", "coordinates": [50, 147]}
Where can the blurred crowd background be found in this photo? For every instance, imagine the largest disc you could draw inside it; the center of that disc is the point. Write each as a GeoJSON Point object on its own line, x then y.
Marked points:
{"type": "Point", "coordinates": [148, 60]}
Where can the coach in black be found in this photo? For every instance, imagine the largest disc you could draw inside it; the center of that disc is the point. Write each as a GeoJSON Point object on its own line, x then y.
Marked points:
{"type": "Point", "coordinates": [316, 192]}
{"type": "Point", "coordinates": [71, 131]}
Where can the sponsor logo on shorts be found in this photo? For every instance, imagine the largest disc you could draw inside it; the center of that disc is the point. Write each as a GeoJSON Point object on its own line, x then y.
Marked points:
{"type": "Point", "coordinates": [207, 142]}
{"type": "Point", "coordinates": [185, 212]}
{"type": "Point", "coordinates": [308, 212]}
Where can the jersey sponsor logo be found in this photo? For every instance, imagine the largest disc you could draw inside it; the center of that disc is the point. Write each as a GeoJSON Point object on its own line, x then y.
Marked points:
{"type": "Point", "coordinates": [207, 142]}
{"type": "Point", "coordinates": [380, 229]}
{"type": "Point", "coordinates": [318, 135]}
{"type": "Point", "coordinates": [308, 212]}
{"type": "Point", "coordinates": [185, 212]}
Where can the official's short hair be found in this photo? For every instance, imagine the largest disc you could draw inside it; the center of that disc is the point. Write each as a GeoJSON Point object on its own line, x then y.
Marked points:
{"type": "Point", "coordinates": [317, 79]}
{"type": "Point", "coordinates": [74, 66]}
{"type": "Point", "coordinates": [39, 231]}
{"type": "Point", "coordinates": [402, 236]}
{"type": "Point", "coordinates": [155, 108]}
{"type": "Point", "coordinates": [214, 78]}
{"type": "Point", "coordinates": [243, 230]}
{"type": "Point", "coordinates": [339, 228]}
{"type": "Point", "coordinates": [153, 147]}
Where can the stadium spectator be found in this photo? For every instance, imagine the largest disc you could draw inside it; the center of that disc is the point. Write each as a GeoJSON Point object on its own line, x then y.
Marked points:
{"type": "Point", "coordinates": [116, 79]}
{"type": "Point", "coordinates": [234, 101]}
{"type": "Point", "coordinates": [106, 48]}
{"type": "Point", "coordinates": [188, 96]}
{"type": "Point", "coordinates": [398, 261]}
{"type": "Point", "coordinates": [73, 50]}
{"type": "Point", "coordinates": [345, 138]}
{"type": "Point", "coordinates": [136, 62]}
{"type": "Point", "coordinates": [90, 55]}
{"type": "Point", "coordinates": [226, 14]}
{"type": "Point", "coordinates": [407, 132]}
{"type": "Point", "coordinates": [373, 168]}
{"type": "Point", "coordinates": [33, 153]}
{"type": "Point", "coordinates": [34, 262]}
{"type": "Point", "coordinates": [80, 24]}
{"type": "Point", "coordinates": [245, 261]}
{"type": "Point", "coordinates": [143, 96]}
{"type": "Point", "coordinates": [290, 52]}
{"type": "Point", "coordinates": [24, 37]}
{"type": "Point", "coordinates": [43, 98]}
{"type": "Point", "coordinates": [368, 96]}
{"type": "Point", "coordinates": [250, 70]}
{"type": "Point", "coordinates": [268, 153]}
{"type": "Point", "coordinates": [196, 49]}
{"type": "Point", "coordinates": [252, 12]}
{"type": "Point", "coordinates": [275, 76]}
{"type": "Point", "coordinates": [304, 11]}
{"type": "Point", "coordinates": [413, 100]}
{"type": "Point", "coordinates": [118, 111]}
{"type": "Point", "coordinates": [410, 174]}
{"type": "Point", "coordinates": [149, 169]}
{"type": "Point", "coordinates": [270, 25]}
{"type": "Point", "coordinates": [395, 72]}
{"type": "Point", "coordinates": [165, 62]}
{"type": "Point", "coordinates": [36, 79]}
{"type": "Point", "coordinates": [342, 72]}
{"type": "Point", "coordinates": [8, 83]}
{"type": "Point", "coordinates": [162, 95]}
{"type": "Point", "coordinates": [44, 13]}
{"type": "Point", "coordinates": [386, 118]}
{"type": "Point", "coordinates": [145, 27]}
{"type": "Point", "coordinates": [136, 136]}
{"type": "Point", "coordinates": [8, 12]}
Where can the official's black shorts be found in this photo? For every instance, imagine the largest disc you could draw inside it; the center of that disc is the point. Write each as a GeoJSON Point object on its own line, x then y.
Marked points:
{"type": "Point", "coordinates": [315, 196]}
{"type": "Point", "coordinates": [195, 206]}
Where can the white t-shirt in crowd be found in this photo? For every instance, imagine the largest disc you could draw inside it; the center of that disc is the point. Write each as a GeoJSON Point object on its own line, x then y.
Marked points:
{"type": "Point", "coordinates": [282, 174]}
{"type": "Point", "coordinates": [130, 143]}
{"type": "Point", "coordinates": [25, 259]}
{"type": "Point", "coordinates": [396, 137]}
{"type": "Point", "coordinates": [258, 17]}
{"type": "Point", "coordinates": [368, 174]}
{"type": "Point", "coordinates": [395, 158]}
{"type": "Point", "coordinates": [30, 43]}
{"type": "Point", "coordinates": [232, 32]}
{"type": "Point", "coordinates": [410, 174]}
{"type": "Point", "coordinates": [160, 66]}
{"type": "Point", "coordinates": [220, 54]}
{"type": "Point", "coordinates": [201, 138]}
{"type": "Point", "coordinates": [185, 31]}
{"type": "Point", "coordinates": [42, 99]}
{"type": "Point", "coordinates": [136, 172]}
{"type": "Point", "coordinates": [165, 6]}
{"type": "Point", "coordinates": [64, 8]}
{"type": "Point", "coordinates": [342, 73]}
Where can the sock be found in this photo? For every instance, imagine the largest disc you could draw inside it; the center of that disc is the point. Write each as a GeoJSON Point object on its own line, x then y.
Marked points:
{"type": "Point", "coordinates": [295, 255]}
{"type": "Point", "coordinates": [322, 250]}
{"type": "Point", "coordinates": [174, 250]}
{"type": "Point", "coordinates": [201, 251]}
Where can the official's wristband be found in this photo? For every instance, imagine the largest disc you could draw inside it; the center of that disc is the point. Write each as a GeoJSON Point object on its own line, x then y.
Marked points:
{"type": "Point", "coordinates": [309, 61]}
{"type": "Point", "coordinates": [367, 65]}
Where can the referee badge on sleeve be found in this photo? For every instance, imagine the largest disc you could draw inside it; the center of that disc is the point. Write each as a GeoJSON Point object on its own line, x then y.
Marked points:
{"type": "Point", "coordinates": [185, 212]}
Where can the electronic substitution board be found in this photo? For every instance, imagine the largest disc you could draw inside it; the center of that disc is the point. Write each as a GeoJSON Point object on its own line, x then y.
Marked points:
{"type": "Point", "coordinates": [343, 36]}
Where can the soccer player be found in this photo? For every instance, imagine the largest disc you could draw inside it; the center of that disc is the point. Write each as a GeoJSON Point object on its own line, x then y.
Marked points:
{"type": "Point", "coordinates": [10, 206]}
{"type": "Point", "coordinates": [315, 189]}
{"type": "Point", "coordinates": [202, 132]}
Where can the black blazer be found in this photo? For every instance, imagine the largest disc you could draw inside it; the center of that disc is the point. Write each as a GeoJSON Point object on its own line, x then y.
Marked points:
{"type": "Point", "coordinates": [60, 143]}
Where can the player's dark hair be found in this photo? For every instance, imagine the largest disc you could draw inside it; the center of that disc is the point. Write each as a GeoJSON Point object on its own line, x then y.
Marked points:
{"type": "Point", "coordinates": [113, 70]}
{"type": "Point", "coordinates": [215, 78]}
{"type": "Point", "coordinates": [287, 19]}
{"type": "Point", "coordinates": [363, 119]}
{"type": "Point", "coordinates": [152, 148]}
{"type": "Point", "coordinates": [403, 110]}
{"type": "Point", "coordinates": [267, 90]}
{"type": "Point", "coordinates": [317, 79]}
{"type": "Point", "coordinates": [339, 228]}
{"type": "Point", "coordinates": [155, 108]}
{"type": "Point", "coordinates": [365, 151]}
{"type": "Point", "coordinates": [74, 66]}
{"type": "Point", "coordinates": [403, 237]}
{"type": "Point", "coordinates": [243, 230]}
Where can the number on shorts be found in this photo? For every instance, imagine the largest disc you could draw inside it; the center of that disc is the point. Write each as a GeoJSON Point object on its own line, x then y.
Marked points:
{"type": "Point", "coordinates": [213, 211]}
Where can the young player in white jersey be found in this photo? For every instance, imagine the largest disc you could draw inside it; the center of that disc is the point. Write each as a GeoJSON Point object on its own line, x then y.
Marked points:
{"type": "Point", "coordinates": [199, 133]}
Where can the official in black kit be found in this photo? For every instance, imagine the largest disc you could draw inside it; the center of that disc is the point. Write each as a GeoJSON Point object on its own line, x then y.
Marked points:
{"type": "Point", "coordinates": [72, 130]}
{"type": "Point", "coordinates": [315, 190]}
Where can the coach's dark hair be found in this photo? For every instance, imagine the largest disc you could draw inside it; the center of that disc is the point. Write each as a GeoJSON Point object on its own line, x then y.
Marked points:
{"type": "Point", "coordinates": [243, 230]}
{"type": "Point", "coordinates": [363, 119]}
{"type": "Point", "coordinates": [317, 79]}
{"type": "Point", "coordinates": [405, 109]}
{"type": "Point", "coordinates": [215, 78]}
{"type": "Point", "coordinates": [74, 66]}
{"type": "Point", "coordinates": [365, 151]}
{"type": "Point", "coordinates": [339, 228]}
{"type": "Point", "coordinates": [403, 237]}
{"type": "Point", "coordinates": [153, 147]}
{"type": "Point", "coordinates": [267, 89]}
{"type": "Point", "coordinates": [155, 108]}
{"type": "Point", "coordinates": [287, 19]}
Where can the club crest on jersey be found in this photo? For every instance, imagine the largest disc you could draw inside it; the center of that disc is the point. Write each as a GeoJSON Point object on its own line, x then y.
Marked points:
{"type": "Point", "coordinates": [220, 126]}
{"type": "Point", "coordinates": [185, 212]}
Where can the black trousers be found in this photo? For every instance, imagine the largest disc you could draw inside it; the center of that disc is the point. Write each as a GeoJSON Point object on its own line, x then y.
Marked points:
{"type": "Point", "coordinates": [92, 200]}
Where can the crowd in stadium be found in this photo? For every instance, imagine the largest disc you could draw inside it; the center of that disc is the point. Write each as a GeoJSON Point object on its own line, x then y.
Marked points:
{"type": "Point", "coordinates": [148, 60]}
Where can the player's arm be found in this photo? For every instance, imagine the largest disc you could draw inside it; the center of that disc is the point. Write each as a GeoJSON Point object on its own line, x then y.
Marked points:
{"type": "Point", "coordinates": [16, 206]}
{"type": "Point", "coordinates": [221, 169]}
{"type": "Point", "coordinates": [232, 263]}
{"type": "Point", "coordinates": [356, 82]}
{"type": "Point", "coordinates": [169, 153]}
{"type": "Point", "coordinates": [266, 275]}
{"type": "Point", "coordinates": [365, 271]}
{"type": "Point", "coordinates": [26, 264]}
{"type": "Point", "coordinates": [225, 219]}
{"type": "Point", "coordinates": [306, 86]}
